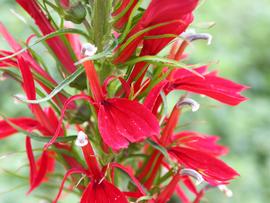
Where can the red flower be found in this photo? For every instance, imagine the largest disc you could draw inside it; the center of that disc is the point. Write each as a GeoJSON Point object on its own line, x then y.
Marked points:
{"type": "Point", "coordinates": [99, 190]}
{"type": "Point", "coordinates": [159, 11]}
{"type": "Point", "coordinates": [210, 84]}
{"type": "Point", "coordinates": [200, 142]}
{"type": "Point", "coordinates": [39, 169]}
{"type": "Point", "coordinates": [213, 170]}
{"type": "Point", "coordinates": [27, 124]}
{"type": "Point", "coordinates": [177, 15]}
{"type": "Point", "coordinates": [56, 44]}
{"type": "Point", "coordinates": [120, 120]}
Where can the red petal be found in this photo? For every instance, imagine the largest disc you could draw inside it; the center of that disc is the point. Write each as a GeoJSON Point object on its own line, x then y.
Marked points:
{"type": "Point", "coordinates": [41, 173]}
{"type": "Point", "coordinates": [213, 170]}
{"type": "Point", "coordinates": [31, 159]}
{"type": "Point", "coordinates": [159, 11]}
{"type": "Point", "coordinates": [45, 163]}
{"type": "Point", "coordinates": [153, 95]}
{"type": "Point", "coordinates": [27, 124]}
{"type": "Point", "coordinates": [102, 193]}
{"type": "Point", "coordinates": [219, 88]}
{"type": "Point", "coordinates": [7, 62]}
{"type": "Point", "coordinates": [181, 194]}
{"type": "Point", "coordinates": [123, 20]}
{"type": "Point", "coordinates": [200, 142]}
{"type": "Point", "coordinates": [125, 85]}
{"type": "Point", "coordinates": [121, 121]}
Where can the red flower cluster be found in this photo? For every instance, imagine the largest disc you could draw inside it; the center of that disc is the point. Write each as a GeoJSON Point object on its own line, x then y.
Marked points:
{"type": "Point", "coordinates": [121, 124]}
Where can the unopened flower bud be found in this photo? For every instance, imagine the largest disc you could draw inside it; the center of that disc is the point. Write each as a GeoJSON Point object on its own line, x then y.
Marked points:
{"type": "Point", "coordinates": [73, 10]}
{"type": "Point", "coordinates": [82, 139]}
{"type": "Point", "coordinates": [190, 102]}
{"type": "Point", "coordinates": [194, 174]}
{"type": "Point", "coordinates": [88, 49]}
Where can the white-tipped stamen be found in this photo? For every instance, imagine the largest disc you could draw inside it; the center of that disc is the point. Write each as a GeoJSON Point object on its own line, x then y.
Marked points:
{"type": "Point", "coordinates": [191, 35]}
{"type": "Point", "coordinates": [225, 190]}
{"type": "Point", "coordinates": [88, 49]}
{"type": "Point", "coordinates": [81, 140]}
{"type": "Point", "coordinates": [193, 173]}
{"type": "Point", "coordinates": [187, 33]}
{"type": "Point", "coordinates": [190, 102]}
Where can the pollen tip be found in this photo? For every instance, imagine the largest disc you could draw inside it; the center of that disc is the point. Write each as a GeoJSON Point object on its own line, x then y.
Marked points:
{"type": "Point", "coordinates": [195, 106]}
{"type": "Point", "coordinates": [191, 35]}
{"type": "Point", "coordinates": [88, 49]}
{"type": "Point", "coordinates": [81, 140]}
{"type": "Point", "coordinates": [193, 173]}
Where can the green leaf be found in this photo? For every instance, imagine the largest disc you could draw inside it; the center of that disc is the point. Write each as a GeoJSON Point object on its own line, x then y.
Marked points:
{"type": "Point", "coordinates": [123, 12]}
{"type": "Point", "coordinates": [58, 88]}
{"type": "Point", "coordinates": [36, 136]}
{"type": "Point", "coordinates": [39, 138]}
{"type": "Point", "coordinates": [128, 24]}
{"type": "Point", "coordinates": [161, 36]}
{"type": "Point", "coordinates": [165, 62]}
{"type": "Point", "coordinates": [159, 148]}
{"type": "Point", "coordinates": [144, 198]}
{"type": "Point", "coordinates": [138, 34]}
{"type": "Point", "coordinates": [46, 37]}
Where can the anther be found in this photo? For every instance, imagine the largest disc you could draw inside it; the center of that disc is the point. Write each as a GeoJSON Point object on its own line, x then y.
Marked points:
{"type": "Point", "coordinates": [190, 102]}
{"type": "Point", "coordinates": [88, 49]}
{"type": "Point", "coordinates": [81, 140]}
{"type": "Point", "coordinates": [194, 174]}
{"type": "Point", "coordinates": [191, 36]}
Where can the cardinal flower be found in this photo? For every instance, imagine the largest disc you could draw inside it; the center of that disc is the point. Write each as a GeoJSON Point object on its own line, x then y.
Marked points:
{"type": "Point", "coordinates": [27, 124]}
{"type": "Point", "coordinates": [213, 170]}
{"type": "Point", "coordinates": [99, 190]}
{"type": "Point", "coordinates": [200, 153]}
{"type": "Point", "coordinates": [199, 141]}
{"type": "Point", "coordinates": [175, 16]}
{"type": "Point", "coordinates": [45, 121]}
{"type": "Point", "coordinates": [210, 84]}
{"type": "Point", "coordinates": [120, 121]}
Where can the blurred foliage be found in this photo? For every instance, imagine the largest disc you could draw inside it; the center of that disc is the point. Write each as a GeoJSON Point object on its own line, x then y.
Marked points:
{"type": "Point", "coordinates": [240, 51]}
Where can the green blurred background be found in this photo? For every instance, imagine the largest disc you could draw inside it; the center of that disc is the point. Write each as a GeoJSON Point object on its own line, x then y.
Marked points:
{"type": "Point", "coordinates": [240, 51]}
